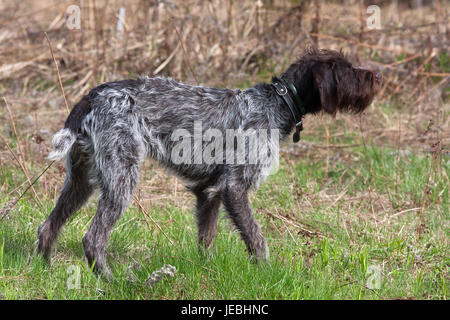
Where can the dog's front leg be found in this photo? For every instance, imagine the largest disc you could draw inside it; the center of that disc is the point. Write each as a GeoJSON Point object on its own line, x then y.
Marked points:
{"type": "Point", "coordinates": [238, 207]}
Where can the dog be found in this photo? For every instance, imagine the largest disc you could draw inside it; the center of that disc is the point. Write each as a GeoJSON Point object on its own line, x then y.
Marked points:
{"type": "Point", "coordinates": [116, 125]}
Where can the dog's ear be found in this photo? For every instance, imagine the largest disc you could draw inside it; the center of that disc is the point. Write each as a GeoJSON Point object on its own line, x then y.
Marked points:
{"type": "Point", "coordinates": [325, 82]}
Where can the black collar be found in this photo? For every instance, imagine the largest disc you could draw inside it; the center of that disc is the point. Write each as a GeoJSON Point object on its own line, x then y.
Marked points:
{"type": "Point", "coordinates": [285, 89]}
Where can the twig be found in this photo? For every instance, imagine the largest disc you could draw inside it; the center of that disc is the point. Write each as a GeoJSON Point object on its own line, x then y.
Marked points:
{"type": "Point", "coordinates": [23, 193]}
{"type": "Point", "coordinates": [403, 61]}
{"type": "Point", "coordinates": [316, 24]}
{"type": "Point", "coordinates": [401, 84]}
{"type": "Point", "coordinates": [21, 163]}
{"type": "Point", "coordinates": [362, 21]}
{"type": "Point", "coordinates": [195, 264]}
{"type": "Point", "coordinates": [59, 75]}
{"type": "Point", "coordinates": [295, 224]}
{"type": "Point", "coordinates": [166, 62]}
{"type": "Point", "coordinates": [341, 194]}
{"type": "Point", "coordinates": [185, 53]}
{"type": "Point", "coordinates": [432, 74]}
{"type": "Point", "coordinates": [150, 217]}
{"type": "Point", "coordinates": [402, 212]}
{"type": "Point", "coordinates": [11, 118]}
{"type": "Point", "coordinates": [328, 144]}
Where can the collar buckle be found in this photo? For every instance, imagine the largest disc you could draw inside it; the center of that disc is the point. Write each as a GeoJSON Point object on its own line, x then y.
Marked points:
{"type": "Point", "coordinates": [295, 106]}
{"type": "Point", "coordinates": [280, 88]}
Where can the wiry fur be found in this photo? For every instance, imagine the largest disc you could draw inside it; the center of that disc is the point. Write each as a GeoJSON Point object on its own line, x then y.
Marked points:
{"type": "Point", "coordinates": [113, 128]}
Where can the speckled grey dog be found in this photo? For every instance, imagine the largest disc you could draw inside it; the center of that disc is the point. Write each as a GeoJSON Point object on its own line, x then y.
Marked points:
{"type": "Point", "coordinates": [111, 130]}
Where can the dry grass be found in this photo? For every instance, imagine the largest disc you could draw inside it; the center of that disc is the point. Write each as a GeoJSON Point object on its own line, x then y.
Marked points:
{"type": "Point", "coordinates": [217, 43]}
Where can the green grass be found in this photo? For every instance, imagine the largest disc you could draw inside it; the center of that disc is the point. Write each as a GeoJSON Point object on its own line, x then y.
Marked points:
{"type": "Point", "coordinates": [348, 236]}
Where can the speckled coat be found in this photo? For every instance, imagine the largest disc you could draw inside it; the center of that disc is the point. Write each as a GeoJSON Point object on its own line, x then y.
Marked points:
{"type": "Point", "coordinates": [113, 128]}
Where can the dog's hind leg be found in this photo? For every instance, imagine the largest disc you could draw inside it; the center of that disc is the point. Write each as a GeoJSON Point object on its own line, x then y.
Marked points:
{"type": "Point", "coordinates": [207, 215]}
{"type": "Point", "coordinates": [74, 194]}
{"type": "Point", "coordinates": [118, 176]}
{"type": "Point", "coordinates": [236, 202]}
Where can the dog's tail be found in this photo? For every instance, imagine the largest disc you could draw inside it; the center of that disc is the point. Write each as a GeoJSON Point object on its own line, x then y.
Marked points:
{"type": "Point", "coordinates": [62, 142]}
{"type": "Point", "coordinates": [64, 139]}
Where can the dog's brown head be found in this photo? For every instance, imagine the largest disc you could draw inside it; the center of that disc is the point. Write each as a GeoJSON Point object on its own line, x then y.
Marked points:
{"type": "Point", "coordinates": [326, 80]}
